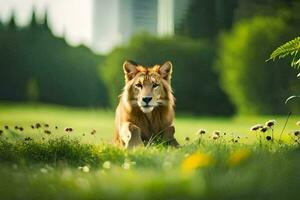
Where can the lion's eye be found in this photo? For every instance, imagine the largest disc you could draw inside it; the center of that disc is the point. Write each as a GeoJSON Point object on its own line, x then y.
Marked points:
{"type": "Point", "coordinates": [139, 85]}
{"type": "Point", "coordinates": [155, 85]}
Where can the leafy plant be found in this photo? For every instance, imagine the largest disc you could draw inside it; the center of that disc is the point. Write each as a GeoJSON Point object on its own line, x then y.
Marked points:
{"type": "Point", "coordinates": [289, 48]}
{"type": "Point", "coordinates": [241, 57]}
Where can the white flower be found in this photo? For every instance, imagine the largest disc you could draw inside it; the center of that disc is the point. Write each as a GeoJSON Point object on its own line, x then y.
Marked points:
{"type": "Point", "coordinates": [201, 131]}
{"type": "Point", "coordinates": [44, 170]}
{"type": "Point", "coordinates": [106, 165]}
{"type": "Point", "coordinates": [126, 165]}
{"type": "Point", "coordinates": [216, 135]}
{"type": "Point", "coordinates": [85, 169]}
{"type": "Point", "coordinates": [270, 123]}
{"type": "Point", "coordinates": [256, 127]}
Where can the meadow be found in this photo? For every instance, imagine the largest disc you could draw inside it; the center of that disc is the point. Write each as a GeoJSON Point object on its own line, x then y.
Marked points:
{"type": "Point", "coordinates": [54, 152]}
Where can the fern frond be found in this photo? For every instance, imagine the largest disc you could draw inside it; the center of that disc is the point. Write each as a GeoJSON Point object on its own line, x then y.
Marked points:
{"type": "Point", "coordinates": [289, 48]}
{"type": "Point", "coordinates": [291, 97]}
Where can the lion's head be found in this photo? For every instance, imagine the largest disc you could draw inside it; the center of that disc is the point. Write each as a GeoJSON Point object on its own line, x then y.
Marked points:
{"type": "Point", "coordinates": [148, 87]}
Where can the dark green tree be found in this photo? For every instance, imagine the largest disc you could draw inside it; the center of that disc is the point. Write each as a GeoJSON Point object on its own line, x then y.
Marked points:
{"type": "Point", "coordinates": [61, 74]}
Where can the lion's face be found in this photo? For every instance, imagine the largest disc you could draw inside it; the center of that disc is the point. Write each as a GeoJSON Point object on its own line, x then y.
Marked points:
{"type": "Point", "coordinates": [147, 90]}
{"type": "Point", "coordinates": [147, 87]}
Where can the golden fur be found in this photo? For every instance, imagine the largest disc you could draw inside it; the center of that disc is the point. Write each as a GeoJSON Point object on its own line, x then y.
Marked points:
{"type": "Point", "coordinates": [139, 120]}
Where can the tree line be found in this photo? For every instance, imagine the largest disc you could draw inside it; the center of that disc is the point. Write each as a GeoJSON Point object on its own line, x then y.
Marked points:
{"type": "Point", "coordinates": [218, 52]}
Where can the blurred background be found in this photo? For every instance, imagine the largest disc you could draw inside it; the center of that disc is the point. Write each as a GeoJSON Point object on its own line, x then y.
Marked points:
{"type": "Point", "coordinates": [70, 52]}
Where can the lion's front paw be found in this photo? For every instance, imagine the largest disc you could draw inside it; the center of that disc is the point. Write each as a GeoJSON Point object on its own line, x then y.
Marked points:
{"type": "Point", "coordinates": [169, 136]}
{"type": "Point", "coordinates": [132, 136]}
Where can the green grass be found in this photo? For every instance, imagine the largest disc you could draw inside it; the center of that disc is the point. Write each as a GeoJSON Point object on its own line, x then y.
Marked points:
{"type": "Point", "coordinates": [83, 121]}
{"type": "Point", "coordinates": [50, 166]}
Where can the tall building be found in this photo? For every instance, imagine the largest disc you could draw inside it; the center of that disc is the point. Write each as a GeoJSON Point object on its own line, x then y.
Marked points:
{"type": "Point", "coordinates": [106, 24]}
{"type": "Point", "coordinates": [116, 21]}
{"type": "Point", "coordinates": [165, 21]}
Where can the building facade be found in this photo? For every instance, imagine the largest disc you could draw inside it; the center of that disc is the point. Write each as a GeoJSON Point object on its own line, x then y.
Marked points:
{"type": "Point", "coordinates": [116, 21]}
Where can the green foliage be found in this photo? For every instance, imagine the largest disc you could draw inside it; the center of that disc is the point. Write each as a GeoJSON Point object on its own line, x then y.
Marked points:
{"type": "Point", "coordinates": [214, 15]}
{"type": "Point", "coordinates": [194, 81]}
{"type": "Point", "coordinates": [51, 170]}
{"type": "Point", "coordinates": [256, 86]}
{"type": "Point", "coordinates": [289, 48]}
{"type": "Point", "coordinates": [62, 74]}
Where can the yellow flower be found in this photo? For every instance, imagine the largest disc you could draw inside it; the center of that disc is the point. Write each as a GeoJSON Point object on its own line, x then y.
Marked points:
{"type": "Point", "coordinates": [195, 161]}
{"type": "Point", "coordinates": [238, 156]}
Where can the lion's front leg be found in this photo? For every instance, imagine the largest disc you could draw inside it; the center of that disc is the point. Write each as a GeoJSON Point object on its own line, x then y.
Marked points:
{"type": "Point", "coordinates": [131, 135]}
{"type": "Point", "coordinates": [168, 136]}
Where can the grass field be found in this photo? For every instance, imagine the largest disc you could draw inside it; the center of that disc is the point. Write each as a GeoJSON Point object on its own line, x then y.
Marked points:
{"type": "Point", "coordinates": [82, 165]}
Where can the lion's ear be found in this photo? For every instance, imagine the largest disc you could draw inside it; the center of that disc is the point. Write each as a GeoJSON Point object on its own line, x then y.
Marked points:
{"type": "Point", "coordinates": [130, 70]}
{"type": "Point", "coordinates": [166, 70]}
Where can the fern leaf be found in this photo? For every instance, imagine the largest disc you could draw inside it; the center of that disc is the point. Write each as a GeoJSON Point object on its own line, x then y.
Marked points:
{"type": "Point", "coordinates": [289, 48]}
{"type": "Point", "coordinates": [291, 97]}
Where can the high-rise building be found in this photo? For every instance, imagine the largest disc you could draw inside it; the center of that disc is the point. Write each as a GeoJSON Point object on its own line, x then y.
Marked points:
{"type": "Point", "coordinates": [116, 21]}
{"type": "Point", "coordinates": [106, 24]}
{"type": "Point", "coordinates": [165, 21]}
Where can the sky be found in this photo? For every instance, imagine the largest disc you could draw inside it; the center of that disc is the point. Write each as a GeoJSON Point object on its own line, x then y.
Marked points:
{"type": "Point", "coordinates": [71, 18]}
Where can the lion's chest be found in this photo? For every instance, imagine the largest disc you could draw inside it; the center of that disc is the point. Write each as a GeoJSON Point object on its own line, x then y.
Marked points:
{"type": "Point", "coordinates": [151, 126]}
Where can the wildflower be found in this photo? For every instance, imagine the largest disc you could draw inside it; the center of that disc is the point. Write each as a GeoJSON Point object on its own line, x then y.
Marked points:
{"type": "Point", "coordinates": [46, 125]}
{"type": "Point", "coordinates": [195, 161]}
{"type": "Point", "coordinates": [85, 169]}
{"type": "Point", "coordinates": [37, 125]}
{"type": "Point", "coordinates": [16, 127]}
{"type": "Point", "coordinates": [187, 139]}
{"type": "Point", "coordinates": [126, 165]}
{"type": "Point", "coordinates": [268, 138]}
{"type": "Point", "coordinates": [27, 139]}
{"type": "Point", "coordinates": [270, 123]}
{"type": "Point", "coordinates": [93, 132]}
{"type": "Point", "coordinates": [216, 132]}
{"type": "Point", "coordinates": [106, 165]}
{"type": "Point", "coordinates": [238, 156]}
{"type": "Point", "coordinates": [264, 129]}
{"type": "Point", "coordinates": [47, 132]}
{"type": "Point", "coordinates": [201, 131]}
{"type": "Point", "coordinates": [68, 130]}
{"type": "Point", "coordinates": [6, 127]}
{"type": "Point", "coordinates": [21, 128]}
{"type": "Point", "coordinates": [256, 127]}
{"type": "Point", "coordinates": [216, 135]}
{"type": "Point", "coordinates": [296, 132]}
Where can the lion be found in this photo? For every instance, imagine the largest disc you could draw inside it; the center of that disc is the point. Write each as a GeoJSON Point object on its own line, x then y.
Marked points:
{"type": "Point", "coordinates": [146, 106]}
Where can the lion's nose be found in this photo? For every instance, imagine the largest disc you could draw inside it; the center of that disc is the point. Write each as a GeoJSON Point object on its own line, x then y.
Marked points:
{"type": "Point", "coordinates": [147, 99]}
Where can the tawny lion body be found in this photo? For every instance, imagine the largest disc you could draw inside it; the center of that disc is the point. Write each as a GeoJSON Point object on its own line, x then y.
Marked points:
{"type": "Point", "coordinates": [146, 106]}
